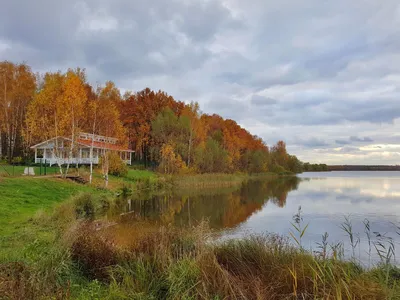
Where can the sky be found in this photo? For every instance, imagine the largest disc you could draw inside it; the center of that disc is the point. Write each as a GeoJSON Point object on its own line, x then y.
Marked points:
{"type": "Point", "coordinates": [324, 76]}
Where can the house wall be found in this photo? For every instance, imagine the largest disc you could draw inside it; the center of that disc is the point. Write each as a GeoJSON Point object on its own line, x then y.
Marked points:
{"type": "Point", "coordinates": [82, 156]}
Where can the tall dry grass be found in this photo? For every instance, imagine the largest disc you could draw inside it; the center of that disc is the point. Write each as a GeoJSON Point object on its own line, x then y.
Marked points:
{"type": "Point", "coordinates": [170, 263]}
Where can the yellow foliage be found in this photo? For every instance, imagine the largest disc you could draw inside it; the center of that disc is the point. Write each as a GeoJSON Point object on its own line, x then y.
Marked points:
{"type": "Point", "coordinates": [171, 163]}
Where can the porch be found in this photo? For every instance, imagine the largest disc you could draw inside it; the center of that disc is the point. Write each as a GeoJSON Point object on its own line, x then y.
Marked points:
{"type": "Point", "coordinates": [46, 156]}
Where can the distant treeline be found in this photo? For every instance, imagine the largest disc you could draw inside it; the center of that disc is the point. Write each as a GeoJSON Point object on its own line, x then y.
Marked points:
{"type": "Point", "coordinates": [363, 168]}
{"type": "Point", "coordinates": [307, 167]}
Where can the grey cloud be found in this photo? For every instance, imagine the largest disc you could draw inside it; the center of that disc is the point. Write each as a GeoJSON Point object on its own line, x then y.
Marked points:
{"type": "Point", "coordinates": [349, 150]}
{"type": "Point", "coordinates": [312, 143]}
{"type": "Point", "coordinates": [258, 100]}
{"type": "Point", "coordinates": [229, 108]}
{"type": "Point", "coordinates": [358, 139]}
{"type": "Point", "coordinates": [54, 33]}
{"type": "Point", "coordinates": [342, 142]}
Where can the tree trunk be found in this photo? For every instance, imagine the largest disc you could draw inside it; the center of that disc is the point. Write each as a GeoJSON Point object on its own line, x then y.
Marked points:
{"type": "Point", "coordinates": [71, 148]}
{"type": "Point", "coordinates": [91, 147]}
{"type": "Point", "coordinates": [190, 146]}
{"type": "Point", "coordinates": [56, 151]}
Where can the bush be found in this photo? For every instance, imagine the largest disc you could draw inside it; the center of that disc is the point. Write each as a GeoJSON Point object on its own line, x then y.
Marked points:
{"type": "Point", "coordinates": [17, 160]}
{"type": "Point", "coordinates": [84, 206]}
{"type": "Point", "coordinates": [116, 166]}
{"type": "Point", "coordinates": [93, 254]}
{"type": "Point", "coordinates": [278, 169]}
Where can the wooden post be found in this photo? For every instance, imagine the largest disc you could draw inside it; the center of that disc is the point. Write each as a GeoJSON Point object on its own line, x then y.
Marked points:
{"type": "Point", "coordinates": [130, 158]}
{"type": "Point", "coordinates": [35, 155]}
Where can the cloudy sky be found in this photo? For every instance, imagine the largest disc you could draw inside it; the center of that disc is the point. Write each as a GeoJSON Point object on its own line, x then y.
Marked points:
{"type": "Point", "coordinates": [323, 75]}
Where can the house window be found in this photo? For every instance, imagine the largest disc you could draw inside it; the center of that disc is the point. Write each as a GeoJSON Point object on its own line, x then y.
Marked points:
{"type": "Point", "coordinates": [85, 153]}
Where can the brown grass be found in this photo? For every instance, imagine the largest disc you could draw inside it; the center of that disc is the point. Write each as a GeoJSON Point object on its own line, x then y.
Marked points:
{"type": "Point", "coordinates": [262, 267]}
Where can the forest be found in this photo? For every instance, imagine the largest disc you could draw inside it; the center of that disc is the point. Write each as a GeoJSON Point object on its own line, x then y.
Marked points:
{"type": "Point", "coordinates": [168, 134]}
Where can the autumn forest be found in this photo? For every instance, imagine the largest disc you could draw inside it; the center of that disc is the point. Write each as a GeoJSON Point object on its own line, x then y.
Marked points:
{"type": "Point", "coordinates": [171, 135]}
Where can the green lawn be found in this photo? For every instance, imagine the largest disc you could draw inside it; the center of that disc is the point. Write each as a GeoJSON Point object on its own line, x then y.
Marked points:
{"type": "Point", "coordinates": [20, 199]}
{"type": "Point", "coordinates": [140, 174]}
{"type": "Point", "coordinates": [14, 171]}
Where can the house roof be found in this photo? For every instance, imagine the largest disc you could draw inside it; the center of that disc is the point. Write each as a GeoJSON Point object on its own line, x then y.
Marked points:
{"type": "Point", "coordinates": [103, 145]}
{"type": "Point", "coordinates": [88, 144]}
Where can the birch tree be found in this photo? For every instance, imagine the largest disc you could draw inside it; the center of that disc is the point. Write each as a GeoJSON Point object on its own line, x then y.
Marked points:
{"type": "Point", "coordinates": [42, 120]}
{"type": "Point", "coordinates": [58, 111]}
{"type": "Point", "coordinates": [106, 121]}
{"type": "Point", "coordinates": [17, 87]}
{"type": "Point", "coordinates": [70, 108]}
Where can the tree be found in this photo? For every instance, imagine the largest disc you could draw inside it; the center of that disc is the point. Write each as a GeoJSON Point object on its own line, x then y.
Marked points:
{"type": "Point", "coordinates": [17, 87]}
{"type": "Point", "coordinates": [196, 134]}
{"type": "Point", "coordinates": [170, 162]}
{"type": "Point", "coordinates": [137, 113]}
{"type": "Point", "coordinates": [105, 120]}
{"type": "Point", "coordinates": [294, 164]}
{"type": "Point", "coordinates": [71, 106]}
{"type": "Point", "coordinates": [211, 157]}
{"type": "Point", "coordinates": [168, 128]}
{"type": "Point", "coordinates": [258, 161]}
{"type": "Point", "coordinates": [57, 110]}
{"type": "Point", "coordinates": [42, 119]}
{"type": "Point", "coordinates": [279, 155]}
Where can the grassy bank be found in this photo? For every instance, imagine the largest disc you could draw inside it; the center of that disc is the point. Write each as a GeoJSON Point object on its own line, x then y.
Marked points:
{"type": "Point", "coordinates": [24, 197]}
{"type": "Point", "coordinates": [95, 259]}
{"type": "Point", "coordinates": [215, 180]}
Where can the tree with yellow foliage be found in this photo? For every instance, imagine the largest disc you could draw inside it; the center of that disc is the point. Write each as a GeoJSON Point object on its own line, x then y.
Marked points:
{"type": "Point", "coordinates": [170, 163]}
{"type": "Point", "coordinates": [57, 110]}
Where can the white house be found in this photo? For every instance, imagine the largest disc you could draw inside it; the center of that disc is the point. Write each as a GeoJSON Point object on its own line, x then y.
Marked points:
{"type": "Point", "coordinates": [57, 150]}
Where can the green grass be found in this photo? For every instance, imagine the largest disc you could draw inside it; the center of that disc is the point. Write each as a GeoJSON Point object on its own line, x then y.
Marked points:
{"type": "Point", "coordinates": [140, 174]}
{"type": "Point", "coordinates": [24, 197]}
{"type": "Point", "coordinates": [14, 171]}
{"type": "Point", "coordinates": [20, 198]}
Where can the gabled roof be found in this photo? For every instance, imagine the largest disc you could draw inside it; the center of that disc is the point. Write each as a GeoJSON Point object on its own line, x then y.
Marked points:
{"type": "Point", "coordinates": [45, 142]}
{"type": "Point", "coordinates": [88, 144]}
{"type": "Point", "coordinates": [103, 145]}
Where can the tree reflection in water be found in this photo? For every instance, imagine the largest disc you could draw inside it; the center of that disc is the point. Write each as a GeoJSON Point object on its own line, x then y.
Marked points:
{"type": "Point", "coordinates": [223, 207]}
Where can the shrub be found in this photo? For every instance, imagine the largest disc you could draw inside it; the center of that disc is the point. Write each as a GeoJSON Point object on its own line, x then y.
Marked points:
{"type": "Point", "coordinates": [17, 160]}
{"type": "Point", "coordinates": [277, 169]}
{"type": "Point", "coordinates": [84, 206]}
{"type": "Point", "coordinates": [93, 254]}
{"type": "Point", "coordinates": [116, 166]}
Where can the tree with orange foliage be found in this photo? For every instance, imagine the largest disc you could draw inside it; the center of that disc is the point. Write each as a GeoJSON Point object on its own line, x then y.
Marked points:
{"type": "Point", "coordinates": [17, 87]}
{"type": "Point", "coordinates": [137, 113]}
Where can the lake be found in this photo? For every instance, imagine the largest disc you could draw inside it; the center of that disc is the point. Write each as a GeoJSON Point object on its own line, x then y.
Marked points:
{"type": "Point", "coordinates": [261, 206]}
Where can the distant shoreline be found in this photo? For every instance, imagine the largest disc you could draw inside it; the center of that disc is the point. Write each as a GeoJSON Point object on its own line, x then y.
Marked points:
{"type": "Point", "coordinates": [363, 168]}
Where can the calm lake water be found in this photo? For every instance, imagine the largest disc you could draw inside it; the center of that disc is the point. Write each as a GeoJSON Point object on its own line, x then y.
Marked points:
{"type": "Point", "coordinates": [258, 207]}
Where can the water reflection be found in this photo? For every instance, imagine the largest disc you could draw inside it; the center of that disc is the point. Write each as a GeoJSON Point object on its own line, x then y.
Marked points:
{"type": "Point", "coordinates": [268, 206]}
{"type": "Point", "coordinates": [326, 198]}
{"type": "Point", "coordinates": [224, 208]}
